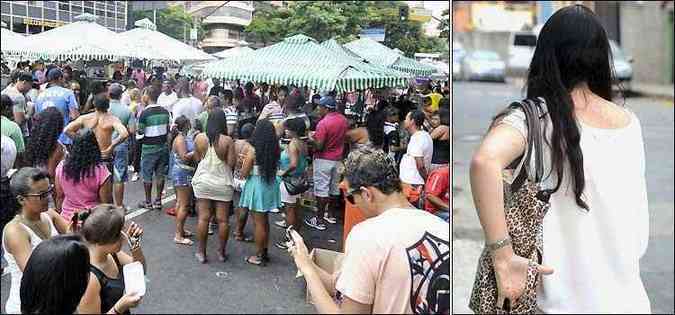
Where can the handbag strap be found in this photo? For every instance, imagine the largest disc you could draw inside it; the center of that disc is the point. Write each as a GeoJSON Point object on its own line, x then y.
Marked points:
{"type": "Point", "coordinates": [532, 112]}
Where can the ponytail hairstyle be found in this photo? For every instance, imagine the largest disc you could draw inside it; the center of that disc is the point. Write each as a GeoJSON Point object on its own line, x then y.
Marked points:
{"type": "Point", "coordinates": [572, 49]}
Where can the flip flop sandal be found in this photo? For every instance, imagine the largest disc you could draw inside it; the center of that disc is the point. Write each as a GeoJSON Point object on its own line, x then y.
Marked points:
{"type": "Point", "coordinates": [201, 258]}
{"type": "Point", "coordinates": [184, 241]}
{"type": "Point", "coordinates": [243, 238]}
{"type": "Point", "coordinates": [258, 260]}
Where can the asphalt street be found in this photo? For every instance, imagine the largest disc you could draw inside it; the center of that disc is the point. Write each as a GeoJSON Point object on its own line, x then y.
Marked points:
{"type": "Point", "coordinates": [177, 283]}
{"type": "Point", "coordinates": [474, 105]}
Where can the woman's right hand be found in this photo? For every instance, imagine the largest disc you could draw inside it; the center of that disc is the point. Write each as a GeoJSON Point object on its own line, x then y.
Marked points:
{"type": "Point", "coordinates": [511, 275]}
{"type": "Point", "coordinates": [128, 301]}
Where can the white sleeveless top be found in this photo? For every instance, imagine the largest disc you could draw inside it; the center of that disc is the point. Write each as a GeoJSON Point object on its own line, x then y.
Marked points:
{"type": "Point", "coordinates": [213, 178]}
{"type": "Point", "coordinates": [13, 305]}
{"type": "Point", "coordinates": [595, 254]}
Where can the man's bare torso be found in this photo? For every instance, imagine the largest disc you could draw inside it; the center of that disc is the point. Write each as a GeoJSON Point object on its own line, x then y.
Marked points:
{"type": "Point", "coordinates": [103, 126]}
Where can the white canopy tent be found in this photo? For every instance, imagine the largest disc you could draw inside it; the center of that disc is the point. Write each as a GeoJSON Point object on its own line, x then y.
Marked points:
{"type": "Point", "coordinates": [236, 51]}
{"type": "Point", "coordinates": [11, 42]}
{"type": "Point", "coordinates": [151, 44]}
{"type": "Point", "coordinates": [84, 39]}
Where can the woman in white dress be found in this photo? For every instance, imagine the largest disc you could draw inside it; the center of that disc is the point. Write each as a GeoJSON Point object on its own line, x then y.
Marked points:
{"type": "Point", "coordinates": [34, 223]}
{"type": "Point", "coordinates": [597, 226]}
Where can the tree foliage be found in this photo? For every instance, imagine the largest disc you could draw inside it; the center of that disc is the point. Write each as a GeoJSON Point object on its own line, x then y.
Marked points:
{"type": "Point", "coordinates": [342, 20]}
{"type": "Point", "coordinates": [173, 21]}
{"type": "Point", "coordinates": [444, 26]}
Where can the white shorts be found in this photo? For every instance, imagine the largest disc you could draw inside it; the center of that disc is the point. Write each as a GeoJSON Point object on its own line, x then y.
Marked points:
{"type": "Point", "coordinates": [285, 196]}
{"type": "Point", "coordinates": [326, 178]}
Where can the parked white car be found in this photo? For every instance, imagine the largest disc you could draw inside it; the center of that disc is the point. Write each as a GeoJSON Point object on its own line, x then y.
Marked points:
{"type": "Point", "coordinates": [458, 54]}
{"type": "Point", "coordinates": [483, 65]}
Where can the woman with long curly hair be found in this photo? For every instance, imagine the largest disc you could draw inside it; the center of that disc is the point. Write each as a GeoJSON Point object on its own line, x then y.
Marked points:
{"type": "Point", "coordinates": [82, 181]}
{"type": "Point", "coordinates": [44, 151]}
{"type": "Point", "coordinates": [261, 193]}
{"type": "Point", "coordinates": [212, 182]}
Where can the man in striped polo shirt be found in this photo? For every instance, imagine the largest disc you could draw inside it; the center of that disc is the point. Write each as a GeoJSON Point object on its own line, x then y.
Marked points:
{"type": "Point", "coordinates": [153, 127]}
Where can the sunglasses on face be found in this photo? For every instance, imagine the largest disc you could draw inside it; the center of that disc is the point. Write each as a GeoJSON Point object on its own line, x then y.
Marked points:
{"type": "Point", "coordinates": [42, 195]}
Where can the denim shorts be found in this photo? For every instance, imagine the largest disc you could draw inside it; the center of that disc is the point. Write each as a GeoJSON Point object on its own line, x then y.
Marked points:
{"type": "Point", "coordinates": [181, 177]}
{"type": "Point", "coordinates": [156, 164]}
{"type": "Point", "coordinates": [121, 163]}
{"type": "Point", "coordinates": [326, 178]}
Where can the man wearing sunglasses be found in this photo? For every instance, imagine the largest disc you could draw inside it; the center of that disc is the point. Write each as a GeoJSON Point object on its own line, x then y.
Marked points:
{"type": "Point", "coordinates": [34, 223]}
{"type": "Point", "coordinates": [397, 261]}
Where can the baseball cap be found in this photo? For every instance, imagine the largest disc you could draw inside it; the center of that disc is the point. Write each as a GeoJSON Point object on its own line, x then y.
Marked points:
{"type": "Point", "coordinates": [53, 74]}
{"type": "Point", "coordinates": [327, 102]}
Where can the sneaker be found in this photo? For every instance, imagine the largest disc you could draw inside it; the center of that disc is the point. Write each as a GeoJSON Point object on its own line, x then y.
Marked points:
{"type": "Point", "coordinates": [314, 223]}
{"type": "Point", "coordinates": [328, 219]}
{"type": "Point", "coordinates": [134, 177]}
{"type": "Point", "coordinates": [212, 228]}
{"type": "Point", "coordinates": [282, 224]}
{"type": "Point", "coordinates": [274, 210]}
{"type": "Point", "coordinates": [281, 245]}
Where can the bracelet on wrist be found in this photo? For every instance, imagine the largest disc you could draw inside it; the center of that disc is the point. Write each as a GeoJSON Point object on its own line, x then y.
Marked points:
{"type": "Point", "coordinates": [492, 247]}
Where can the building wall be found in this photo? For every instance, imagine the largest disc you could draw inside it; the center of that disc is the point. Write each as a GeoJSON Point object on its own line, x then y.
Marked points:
{"type": "Point", "coordinates": [644, 36]}
{"type": "Point", "coordinates": [225, 25]}
{"type": "Point", "coordinates": [39, 16]}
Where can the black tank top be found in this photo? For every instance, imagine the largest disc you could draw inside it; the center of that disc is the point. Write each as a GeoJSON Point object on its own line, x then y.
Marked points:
{"type": "Point", "coordinates": [441, 153]}
{"type": "Point", "coordinates": [111, 289]}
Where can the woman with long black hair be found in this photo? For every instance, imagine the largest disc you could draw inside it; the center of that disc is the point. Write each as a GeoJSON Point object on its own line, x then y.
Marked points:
{"type": "Point", "coordinates": [82, 180]}
{"type": "Point", "coordinates": [596, 228]}
{"type": "Point", "coordinates": [261, 193]}
{"type": "Point", "coordinates": [212, 182]}
{"type": "Point", "coordinates": [44, 151]}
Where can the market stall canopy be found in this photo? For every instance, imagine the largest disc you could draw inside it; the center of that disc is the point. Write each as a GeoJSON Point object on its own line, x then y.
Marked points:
{"type": "Point", "coordinates": [343, 52]}
{"type": "Point", "coordinates": [11, 42]}
{"type": "Point", "coordinates": [84, 39]}
{"type": "Point", "coordinates": [442, 69]}
{"type": "Point", "coordinates": [301, 61]}
{"type": "Point", "coordinates": [151, 44]}
{"type": "Point", "coordinates": [378, 53]}
{"type": "Point", "coordinates": [236, 51]}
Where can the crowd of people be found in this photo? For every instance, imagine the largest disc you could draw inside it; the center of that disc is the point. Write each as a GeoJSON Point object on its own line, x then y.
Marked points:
{"type": "Point", "coordinates": [228, 150]}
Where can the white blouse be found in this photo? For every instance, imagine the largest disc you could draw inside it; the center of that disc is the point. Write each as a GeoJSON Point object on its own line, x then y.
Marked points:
{"type": "Point", "coordinates": [596, 254]}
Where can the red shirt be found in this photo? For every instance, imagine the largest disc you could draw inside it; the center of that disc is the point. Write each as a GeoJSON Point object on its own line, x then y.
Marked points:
{"type": "Point", "coordinates": [438, 184]}
{"type": "Point", "coordinates": [331, 131]}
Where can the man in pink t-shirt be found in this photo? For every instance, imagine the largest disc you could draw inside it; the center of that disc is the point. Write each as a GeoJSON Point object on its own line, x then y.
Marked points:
{"type": "Point", "coordinates": [328, 142]}
{"type": "Point", "coordinates": [397, 261]}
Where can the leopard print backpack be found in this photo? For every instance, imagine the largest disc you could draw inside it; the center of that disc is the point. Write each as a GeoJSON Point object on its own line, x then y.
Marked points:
{"type": "Point", "coordinates": [525, 204]}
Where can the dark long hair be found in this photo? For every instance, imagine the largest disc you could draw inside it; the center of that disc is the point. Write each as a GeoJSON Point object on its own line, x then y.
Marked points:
{"type": "Point", "coordinates": [375, 127]}
{"type": "Point", "coordinates": [56, 276]}
{"type": "Point", "coordinates": [572, 49]}
{"type": "Point", "coordinates": [44, 136]}
{"type": "Point", "coordinates": [216, 126]}
{"type": "Point", "coordinates": [83, 157]}
{"type": "Point", "coordinates": [267, 151]}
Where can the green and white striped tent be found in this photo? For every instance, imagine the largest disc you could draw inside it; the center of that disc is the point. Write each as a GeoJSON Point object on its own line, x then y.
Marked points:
{"type": "Point", "coordinates": [301, 61]}
{"type": "Point", "coordinates": [380, 54]}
